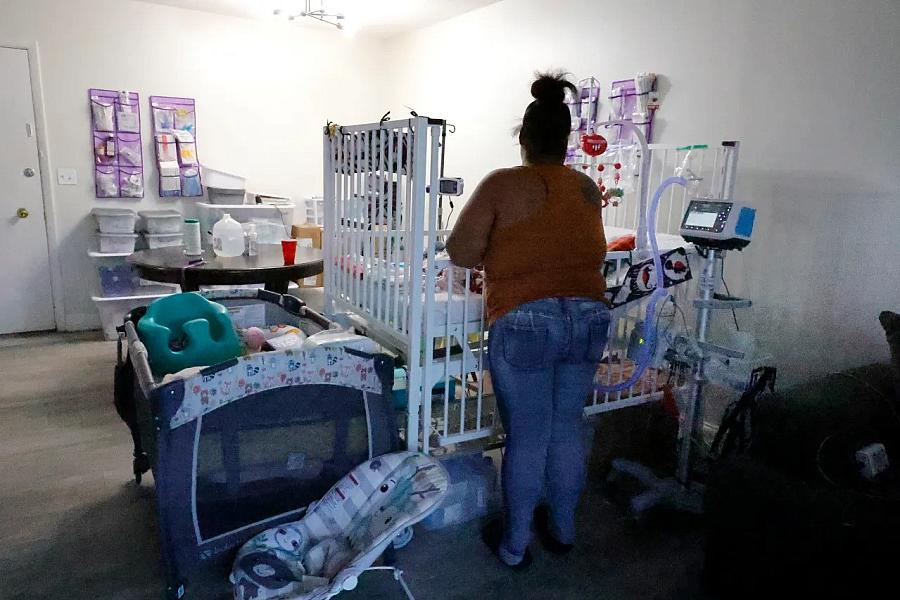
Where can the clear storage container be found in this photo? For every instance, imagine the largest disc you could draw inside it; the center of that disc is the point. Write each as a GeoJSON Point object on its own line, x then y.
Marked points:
{"type": "Point", "coordinates": [115, 220]}
{"type": "Point", "coordinates": [163, 240]}
{"type": "Point", "coordinates": [112, 310]}
{"type": "Point", "coordinates": [472, 493]}
{"type": "Point", "coordinates": [161, 221]}
{"type": "Point", "coordinates": [117, 243]}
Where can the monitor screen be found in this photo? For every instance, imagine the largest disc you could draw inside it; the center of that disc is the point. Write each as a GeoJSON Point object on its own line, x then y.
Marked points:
{"type": "Point", "coordinates": [697, 218]}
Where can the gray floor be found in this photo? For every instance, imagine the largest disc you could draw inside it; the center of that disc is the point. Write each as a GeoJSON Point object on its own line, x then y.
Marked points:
{"type": "Point", "coordinates": [73, 525]}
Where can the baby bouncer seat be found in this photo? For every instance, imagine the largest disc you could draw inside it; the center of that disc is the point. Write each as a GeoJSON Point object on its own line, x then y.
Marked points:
{"type": "Point", "coordinates": [342, 534]}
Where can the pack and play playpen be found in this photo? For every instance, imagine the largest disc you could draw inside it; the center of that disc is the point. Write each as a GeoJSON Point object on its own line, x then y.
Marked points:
{"type": "Point", "coordinates": [247, 444]}
{"type": "Point", "coordinates": [385, 271]}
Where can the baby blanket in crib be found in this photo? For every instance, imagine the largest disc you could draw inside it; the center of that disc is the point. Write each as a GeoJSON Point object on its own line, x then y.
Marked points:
{"type": "Point", "coordinates": [640, 280]}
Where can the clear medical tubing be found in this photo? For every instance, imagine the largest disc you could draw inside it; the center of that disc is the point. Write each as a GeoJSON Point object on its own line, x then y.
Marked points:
{"type": "Point", "coordinates": [646, 350]}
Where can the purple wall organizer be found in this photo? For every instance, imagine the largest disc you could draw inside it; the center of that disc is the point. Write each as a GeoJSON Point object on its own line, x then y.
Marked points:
{"type": "Point", "coordinates": [175, 141]}
{"type": "Point", "coordinates": [584, 109]}
{"type": "Point", "coordinates": [116, 139]}
{"type": "Point", "coordinates": [624, 102]}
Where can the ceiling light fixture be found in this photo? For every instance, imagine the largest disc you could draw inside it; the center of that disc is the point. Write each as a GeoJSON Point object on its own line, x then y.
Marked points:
{"type": "Point", "coordinates": [319, 14]}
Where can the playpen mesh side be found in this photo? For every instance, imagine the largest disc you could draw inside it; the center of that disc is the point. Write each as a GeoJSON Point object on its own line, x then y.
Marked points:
{"type": "Point", "coordinates": [274, 453]}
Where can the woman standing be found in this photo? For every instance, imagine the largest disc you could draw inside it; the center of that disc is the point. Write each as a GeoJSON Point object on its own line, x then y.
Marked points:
{"type": "Point", "coordinates": [538, 232]}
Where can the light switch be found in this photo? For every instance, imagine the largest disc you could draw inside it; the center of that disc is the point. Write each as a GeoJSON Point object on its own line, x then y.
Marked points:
{"type": "Point", "coordinates": [66, 177]}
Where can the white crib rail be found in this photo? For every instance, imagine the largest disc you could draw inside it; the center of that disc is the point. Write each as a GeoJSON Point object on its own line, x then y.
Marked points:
{"type": "Point", "coordinates": [456, 362]}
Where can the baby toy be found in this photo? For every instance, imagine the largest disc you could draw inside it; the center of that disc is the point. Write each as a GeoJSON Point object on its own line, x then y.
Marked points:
{"type": "Point", "coordinates": [254, 339]}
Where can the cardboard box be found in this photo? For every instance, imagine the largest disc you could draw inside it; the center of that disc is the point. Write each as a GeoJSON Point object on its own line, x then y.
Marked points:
{"type": "Point", "coordinates": [309, 236]}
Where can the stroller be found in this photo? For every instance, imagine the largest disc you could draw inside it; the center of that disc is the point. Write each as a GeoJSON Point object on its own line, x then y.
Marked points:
{"type": "Point", "coordinates": [247, 444]}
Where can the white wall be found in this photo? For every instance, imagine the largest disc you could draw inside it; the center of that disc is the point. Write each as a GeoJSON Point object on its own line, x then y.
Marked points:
{"type": "Point", "coordinates": [808, 86]}
{"type": "Point", "coordinates": [263, 91]}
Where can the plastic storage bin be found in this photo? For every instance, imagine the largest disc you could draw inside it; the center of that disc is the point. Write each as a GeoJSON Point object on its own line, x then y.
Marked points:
{"type": "Point", "coordinates": [223, 179]}
{"type": "Point", "coordinates": [225, 195]}
{"type": "Point", "coordinates": [113, 310]}
{"type": "Point", "coordinates": [473, 491]}
{"type": "Point", "coordinates": [118, 278]}
{"type": "Point", "coordinates": [210, 214]}
{"type": "Point", "coordinates": [315, 211]}
{"type": "Point", "coordinates": [161, 221]}
{"type": "Point", "coordinates": [117, 243]}
{"type": "Point", "coordinates": [114, 220]}
{"type": "Point", "coordinates": [164, 240]}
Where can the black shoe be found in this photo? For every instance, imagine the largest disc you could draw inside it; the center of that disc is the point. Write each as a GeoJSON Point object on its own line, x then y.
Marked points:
{"type": "Point", "coordinates": [542, 527]}
{"type": "Point", "coordinates": [492, 535]}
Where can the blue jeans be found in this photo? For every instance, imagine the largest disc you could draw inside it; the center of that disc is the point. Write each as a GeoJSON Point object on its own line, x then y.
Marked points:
{"type": "Point", "coordinates": [543, 357]}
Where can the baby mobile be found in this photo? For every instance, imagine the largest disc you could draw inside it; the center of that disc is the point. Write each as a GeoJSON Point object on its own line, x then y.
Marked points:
{"type": "Point", "coordinates": [614, 165]}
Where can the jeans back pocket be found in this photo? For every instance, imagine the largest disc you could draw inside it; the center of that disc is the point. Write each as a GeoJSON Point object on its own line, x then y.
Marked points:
{"type": "Point", "coordinates": [598, 334]}
{"type": "Point", "coordinates": [526, 348]}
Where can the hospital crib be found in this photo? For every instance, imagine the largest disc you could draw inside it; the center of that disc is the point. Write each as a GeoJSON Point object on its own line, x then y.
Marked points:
{"type": "Point", "coordinates": [386, 274]}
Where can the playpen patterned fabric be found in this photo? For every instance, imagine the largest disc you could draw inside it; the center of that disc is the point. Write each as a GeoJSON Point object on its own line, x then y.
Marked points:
{"type": "Point", "coordinates": [207, 391]}
{"type": "Point", "coordinates": [343, 533]}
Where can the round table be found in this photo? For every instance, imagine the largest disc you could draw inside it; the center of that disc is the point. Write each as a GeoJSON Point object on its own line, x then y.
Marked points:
{"type": "Point", "coordinates": [171, 265]}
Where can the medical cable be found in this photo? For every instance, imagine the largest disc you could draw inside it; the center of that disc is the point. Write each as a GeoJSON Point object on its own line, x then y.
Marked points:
{"type": "Point", "coordinates": [727, 291]}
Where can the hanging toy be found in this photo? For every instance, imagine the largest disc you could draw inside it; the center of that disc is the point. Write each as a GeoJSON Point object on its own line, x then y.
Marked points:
{"type": "Point", "coordinates": [616, 195]}
{"type": "Point", "coordinates": [593, 144]}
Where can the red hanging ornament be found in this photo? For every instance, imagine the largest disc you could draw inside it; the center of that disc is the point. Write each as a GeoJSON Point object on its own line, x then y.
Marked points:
{"type": "Point", "coordinates": [593, 144]}
{"type": "Point", "coordinates": [601, 168]}
{"type": "Point", "coordinates": [618, 166]}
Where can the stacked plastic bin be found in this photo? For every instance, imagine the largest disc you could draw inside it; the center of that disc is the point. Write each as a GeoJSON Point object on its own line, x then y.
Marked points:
{"type": "Point", "coordinates": [121, 289]}
{"type": "Point", "coordinates": [162, 228]}
{"type": "Point", "coordinates": [315, 210]}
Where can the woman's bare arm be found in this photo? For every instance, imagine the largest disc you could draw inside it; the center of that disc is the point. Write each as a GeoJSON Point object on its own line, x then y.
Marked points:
{"type": "Point", "coordinates": [469, 241]}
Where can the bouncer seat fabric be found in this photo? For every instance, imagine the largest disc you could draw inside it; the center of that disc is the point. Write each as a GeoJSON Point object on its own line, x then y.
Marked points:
{"type": "Point", "coordinates": [343, 533]}
{"type": "Point", "coordinates": [187, 330]}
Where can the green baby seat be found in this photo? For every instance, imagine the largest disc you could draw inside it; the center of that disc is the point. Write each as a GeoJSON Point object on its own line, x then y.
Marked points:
{"type": "Point", "coordinates": [187, 330]}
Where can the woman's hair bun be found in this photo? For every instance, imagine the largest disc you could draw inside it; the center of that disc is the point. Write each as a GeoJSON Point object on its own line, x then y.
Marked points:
{"type": "Point", "coordinates": [550, 88]}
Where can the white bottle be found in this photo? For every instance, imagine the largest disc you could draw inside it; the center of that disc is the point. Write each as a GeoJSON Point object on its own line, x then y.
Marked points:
{"type": "Point", "coordinates": [228, 237]}
{"type": "Point", "coordinates": [252, 240]}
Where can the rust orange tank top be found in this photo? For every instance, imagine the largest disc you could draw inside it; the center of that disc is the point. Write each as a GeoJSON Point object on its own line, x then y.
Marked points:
{"type": "Point", "coordinates": [556, 252]}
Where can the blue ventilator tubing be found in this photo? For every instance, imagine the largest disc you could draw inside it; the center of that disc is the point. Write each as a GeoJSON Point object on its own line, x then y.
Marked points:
{"type": "Point", "coordinates": [646, 350]}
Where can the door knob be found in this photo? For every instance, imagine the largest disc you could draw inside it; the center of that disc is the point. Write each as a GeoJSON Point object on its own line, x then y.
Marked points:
{"type": "Point", "coordinates": [28, 172]}
{"type": "Point", "coordinates": [22, 213]}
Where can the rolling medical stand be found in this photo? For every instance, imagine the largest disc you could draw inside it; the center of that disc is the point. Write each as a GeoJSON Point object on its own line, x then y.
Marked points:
{"type": "Point", "coordinates": [714, 226]}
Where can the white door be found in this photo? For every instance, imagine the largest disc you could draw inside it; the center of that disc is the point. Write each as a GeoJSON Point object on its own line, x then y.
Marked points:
{"type": "Point", "coordinates": [26, 302]}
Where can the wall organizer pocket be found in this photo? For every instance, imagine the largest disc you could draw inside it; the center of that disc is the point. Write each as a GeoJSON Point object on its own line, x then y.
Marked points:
{"type": "Point", "coordinates": [106, 182]}
{"type": "Point", "coordinates": [118, 155]}
{"type": "Point", "coordinates": [174, 135]}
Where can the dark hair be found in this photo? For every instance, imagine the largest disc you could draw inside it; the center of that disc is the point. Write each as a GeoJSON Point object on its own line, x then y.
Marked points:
{"type": "Point", "coordinates": [547, 122]}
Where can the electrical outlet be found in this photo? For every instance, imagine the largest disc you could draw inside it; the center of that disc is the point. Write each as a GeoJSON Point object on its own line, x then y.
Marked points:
{"type": "Point", "coordinates": [66, 177]}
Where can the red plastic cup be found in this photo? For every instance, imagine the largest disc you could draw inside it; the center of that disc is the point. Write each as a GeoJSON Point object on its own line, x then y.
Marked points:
{"type": "Point", "coordinates": [289, 250]}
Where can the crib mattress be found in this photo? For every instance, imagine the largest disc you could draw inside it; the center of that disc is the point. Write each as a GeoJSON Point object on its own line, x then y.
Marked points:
{"type": "Point", "coordinates": [460, 308]}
